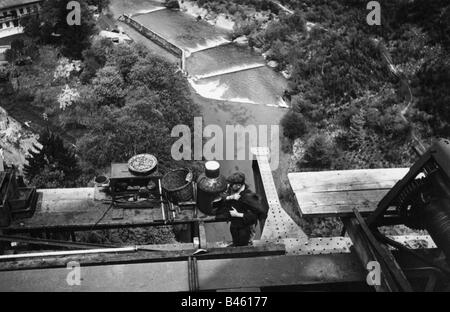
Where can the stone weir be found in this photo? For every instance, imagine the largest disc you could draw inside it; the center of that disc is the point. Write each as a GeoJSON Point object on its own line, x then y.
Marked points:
{"type": "Point", "coordinates": [156, 38]}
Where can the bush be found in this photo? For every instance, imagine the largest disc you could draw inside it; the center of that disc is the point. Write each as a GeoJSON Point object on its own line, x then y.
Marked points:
{"type": "Point", "coordinates": [22, 51]}
{"type": "Point", "coordinates": [294, 125]}
{"type": "Point", "coordinates": [172, 4]}
{"type": "Point", "coordinates": [54, 165]}
{"type": "Point", "coordinates": [434, 81]}
{"type": "Point", "coordinates": [108, 86]}
{"type": "Point", "coordinates": [117, 135]}
{"type": "Point", "coordinates": [244, 28]}
{"type": "Point", "coordinates": [320, 152]}
{"type": "Point", "coordinates": [95, 58]}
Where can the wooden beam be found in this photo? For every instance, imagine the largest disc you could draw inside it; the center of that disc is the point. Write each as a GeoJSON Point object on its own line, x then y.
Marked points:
{"type": "Point", "coordinates": [213, 274]}
{"type": "Point", "coordinates": [152, 255]}
{"type": "Point", "coordinates": [362, 249]}
{"type": "Point", "coordinates": [80, 209]}
{"type": "Point", "coordinates": [337, 193]}
{"type": "Point", "coordinates": [52, 242]}
{"type": "Point", "coordinates": [369, 249]}
{"type": "Point", "coordinates": [202, 236]}
{"type": "Point", "coordinates": [253, 290]}
{"type": "Point", "coordinates": [278, 224]}
{"type": "Point", "coordinates": [385, 255]}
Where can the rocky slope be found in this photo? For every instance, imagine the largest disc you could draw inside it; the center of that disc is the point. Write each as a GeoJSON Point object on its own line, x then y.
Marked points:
{"type": "Point", "coordinates": [15, 140]}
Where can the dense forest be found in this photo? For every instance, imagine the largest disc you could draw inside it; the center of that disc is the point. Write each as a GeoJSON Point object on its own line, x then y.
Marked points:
{"type": "Point", "coordinates": [110, 101]}
{"type": "Point", "coordinates": [359, 94]}
{"type": "Point", "coordinates": [94, 102]}
{"type": "Point", "coordinates": [350, 82]}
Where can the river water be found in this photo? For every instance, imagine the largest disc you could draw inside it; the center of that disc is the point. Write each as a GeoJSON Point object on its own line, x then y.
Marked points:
{"type": "Point", "coordinates": [224, 65]}
{"type": "Point", "coordinates": [231, 83]}
{"type": "Point", "coordinates": [182, 29]}
{"type": "Point", "coordinates": [119, 7]}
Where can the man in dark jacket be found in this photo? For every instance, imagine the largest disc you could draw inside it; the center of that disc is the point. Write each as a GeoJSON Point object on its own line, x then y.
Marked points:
{"type": "Point", "coordinates": [245, 209]}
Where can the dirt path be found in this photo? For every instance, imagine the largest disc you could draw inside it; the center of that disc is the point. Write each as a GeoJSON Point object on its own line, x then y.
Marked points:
{"type": "Point", "coordinates": [418, 147]}
{"type": "Point", "coordinates": [285, 9]}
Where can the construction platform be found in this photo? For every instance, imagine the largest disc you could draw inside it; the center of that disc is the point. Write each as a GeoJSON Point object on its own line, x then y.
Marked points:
{"type": "Point", "coordinates": [283, 256]}
{"type": "Point", "coordinates": [80, 209]}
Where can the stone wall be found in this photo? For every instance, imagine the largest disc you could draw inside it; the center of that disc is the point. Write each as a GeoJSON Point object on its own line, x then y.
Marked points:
{"type": "Point", "coordinates": [158, 39]}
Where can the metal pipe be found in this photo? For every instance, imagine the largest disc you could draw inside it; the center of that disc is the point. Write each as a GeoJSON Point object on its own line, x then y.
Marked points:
{"type": "Point", "coordinates": [50, 242]}
{"type": "Point", "coordinates": [68, 253]}
{"type": "Point", "coordinates": [162, 201]}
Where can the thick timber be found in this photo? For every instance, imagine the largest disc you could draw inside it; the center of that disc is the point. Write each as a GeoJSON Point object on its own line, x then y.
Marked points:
{"type": "Point", "coordinates": [337, 193]}
{"type": "Point", "coordinates": [278, 224]}
{"type": "Point", "coordinates": [80, 209]}
{"type": "Point", "coordinates": [213, 274]}
{"type": "Point", "coordinates": [144, 254]}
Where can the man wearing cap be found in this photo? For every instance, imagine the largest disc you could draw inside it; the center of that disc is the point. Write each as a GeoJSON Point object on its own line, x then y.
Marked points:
{"type": "Point", "coordinates": [245, 209]}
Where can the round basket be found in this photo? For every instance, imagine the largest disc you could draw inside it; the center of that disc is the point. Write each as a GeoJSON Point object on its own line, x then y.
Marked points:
{"type": "Point", "coordinates": [142, 164]}
{"type": "Point", "coordinates": [175, 186]}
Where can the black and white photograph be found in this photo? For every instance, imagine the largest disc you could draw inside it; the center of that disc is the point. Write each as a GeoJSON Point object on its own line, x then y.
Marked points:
{"type": "Point", "coordinates": [224, 150]}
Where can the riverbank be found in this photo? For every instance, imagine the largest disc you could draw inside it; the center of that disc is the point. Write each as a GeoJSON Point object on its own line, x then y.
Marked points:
{"type": "Point", "coordinates": [223, 21]}
{"type": "Point", "coordinates": [246, 26]}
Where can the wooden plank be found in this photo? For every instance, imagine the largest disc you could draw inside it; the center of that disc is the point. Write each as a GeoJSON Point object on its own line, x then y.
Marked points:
{"type": "Point", "coordinates": [175, 246]}
{"type": "Point", "coordinates": [213, 274]}
{"type": "Point", "coordinates": [51, 242]}
{"type": "Point", "coordinates": [360, 198]}
{"type": "Point", "coordinates": [340, 203]}
{"type": "Point", "coordinates": [203, 243]}
{"type": "Point", "coordinates": [385, 255]}
{"type": "Point", "coordinates": [247, 290]}
{"type": "Point", "coordinates": [345, 180]}
{"type": "Point", "coordinates": [121, 171]}
{"type": "Point", "coordinates": [84, 220]}
{"type": "Point", "coordinates": [77, 209]}
{"type": "Point", "coordinates": [163, 276]}
{"type": "Point", "coordinates": [337, 193]}
{"type": "Point", "coordinates": [151, 254]}
{"type": "Point", "coordinates": [318, 245]}
{"type": "Point", "coordinates": [278, 224]}
{"type": "Point", "coordinates": [118, 214]}
{"type": "Point", "coordinates": [362, 249]}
